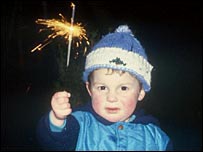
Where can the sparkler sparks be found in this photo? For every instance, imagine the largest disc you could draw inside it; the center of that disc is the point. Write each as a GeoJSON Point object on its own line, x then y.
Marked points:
{"type": "Point", "coordinates": [64, 29]}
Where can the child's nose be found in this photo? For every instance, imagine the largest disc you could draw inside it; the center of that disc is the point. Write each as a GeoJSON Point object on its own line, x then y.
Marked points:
{"type": "Point", "coordinates": [111, 96]}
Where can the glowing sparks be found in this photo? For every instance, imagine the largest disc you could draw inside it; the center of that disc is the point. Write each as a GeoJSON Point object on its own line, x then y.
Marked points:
{"type": "Point", "coordinates": [61, 27]}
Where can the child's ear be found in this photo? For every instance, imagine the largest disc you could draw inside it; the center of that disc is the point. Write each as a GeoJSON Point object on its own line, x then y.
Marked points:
{"type": "Point", "coordinates": [87, 84]}
{"type": "Point", "coordinates": [141, 95]}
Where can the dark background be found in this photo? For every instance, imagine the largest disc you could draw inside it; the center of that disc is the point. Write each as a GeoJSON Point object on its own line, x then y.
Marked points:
{"type": "Point", "coordinates": [171, 33]}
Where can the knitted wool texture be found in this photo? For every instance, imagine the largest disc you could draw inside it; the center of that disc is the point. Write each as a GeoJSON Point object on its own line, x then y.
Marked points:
{"type": "Point", "coordinates": [120, 51]}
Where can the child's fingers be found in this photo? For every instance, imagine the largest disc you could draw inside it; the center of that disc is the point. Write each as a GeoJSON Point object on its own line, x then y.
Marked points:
{"type": "Point", "coordinates": [60, 104]}
{"type": "Point", "coordinates": [65, 105]}
{"type": "Point", "coordinates": [62, 113]}
{"type": "Point", "coordinates": [61, 97]}
{"type": "Point", "coordinates": [61, 100]}
{"type": "Point", "coordinates": [61, 94]}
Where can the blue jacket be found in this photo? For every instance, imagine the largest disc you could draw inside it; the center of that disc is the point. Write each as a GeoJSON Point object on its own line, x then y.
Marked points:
{"type": "Point", "coordinates": [86, 130]}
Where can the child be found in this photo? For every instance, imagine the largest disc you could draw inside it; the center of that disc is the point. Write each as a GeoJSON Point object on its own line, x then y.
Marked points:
{"type": "Point", "coordinates": [117, 75]}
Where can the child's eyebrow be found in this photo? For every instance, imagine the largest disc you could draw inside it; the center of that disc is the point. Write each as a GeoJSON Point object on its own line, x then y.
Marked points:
{"type": "Point", "coordinates": [127, 83]}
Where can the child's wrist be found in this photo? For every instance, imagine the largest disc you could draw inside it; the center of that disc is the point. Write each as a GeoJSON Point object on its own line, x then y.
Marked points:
{"type": "Point", "coordinates": [55, 120]}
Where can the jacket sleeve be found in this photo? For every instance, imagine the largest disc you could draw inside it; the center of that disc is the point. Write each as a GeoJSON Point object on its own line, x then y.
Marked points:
{"type": "Point", "coordinates": [64, 140]}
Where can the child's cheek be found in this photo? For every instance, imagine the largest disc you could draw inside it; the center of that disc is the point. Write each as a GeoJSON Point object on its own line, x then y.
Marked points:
{"type": "Point", "coordinates": [130, 104]}
{"type": "Point", "coordinates": [97, 99]}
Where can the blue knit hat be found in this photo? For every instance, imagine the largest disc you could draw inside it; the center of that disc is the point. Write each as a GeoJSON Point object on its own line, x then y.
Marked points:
{"type": "Point", "coordinates": [120, 51]}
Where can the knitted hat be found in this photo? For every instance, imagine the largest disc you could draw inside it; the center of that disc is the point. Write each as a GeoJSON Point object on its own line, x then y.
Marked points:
{"type": "Point", "coordinates": [120, 51]}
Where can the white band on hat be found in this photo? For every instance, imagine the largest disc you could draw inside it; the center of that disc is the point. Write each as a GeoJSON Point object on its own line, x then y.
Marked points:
{"type": "Point", "coordinates": [117, 58]}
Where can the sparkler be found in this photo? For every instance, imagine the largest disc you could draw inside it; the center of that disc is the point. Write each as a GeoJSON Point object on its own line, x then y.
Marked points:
{"type": "Point", "coordinates": [62, 28]}
{"type": "Point", "coordinates": [71, 33]}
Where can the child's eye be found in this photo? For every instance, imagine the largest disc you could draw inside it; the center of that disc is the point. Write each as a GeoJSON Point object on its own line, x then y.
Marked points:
{"type": "Point", "coordinates": [101, 87]}
{"type": "Point", "coordinates": [124, 88]}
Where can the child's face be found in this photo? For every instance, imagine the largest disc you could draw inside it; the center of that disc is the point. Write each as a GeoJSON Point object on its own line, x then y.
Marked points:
{"type": "Point", "coordinates": [114, 96]}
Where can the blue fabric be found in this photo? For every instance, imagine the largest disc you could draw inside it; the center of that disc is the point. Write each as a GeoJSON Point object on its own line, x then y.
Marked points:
{"type": "Point", "coordinates": [123, 39]}
{"type": "Point", "coordinates": [86, 130]}
{"type": "Point", "coordinates": [96, 136]}
{"type": "Point", "coordinates": [54, 141]}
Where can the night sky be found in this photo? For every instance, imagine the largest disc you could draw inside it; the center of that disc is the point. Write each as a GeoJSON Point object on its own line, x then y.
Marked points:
{"type": "Point", "coordinates": [170, 32]}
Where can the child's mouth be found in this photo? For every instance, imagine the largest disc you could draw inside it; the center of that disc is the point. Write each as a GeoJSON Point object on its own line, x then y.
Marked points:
{"type": "Point", "coordinates": [112, 110]}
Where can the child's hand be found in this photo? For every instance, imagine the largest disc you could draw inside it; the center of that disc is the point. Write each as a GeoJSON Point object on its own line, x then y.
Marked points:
{"type": "Point", "coordinates": [60, 107]}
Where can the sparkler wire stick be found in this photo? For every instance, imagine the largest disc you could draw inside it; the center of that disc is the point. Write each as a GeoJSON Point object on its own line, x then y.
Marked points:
{"type": "Point", "coordinates": [71, 33]}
